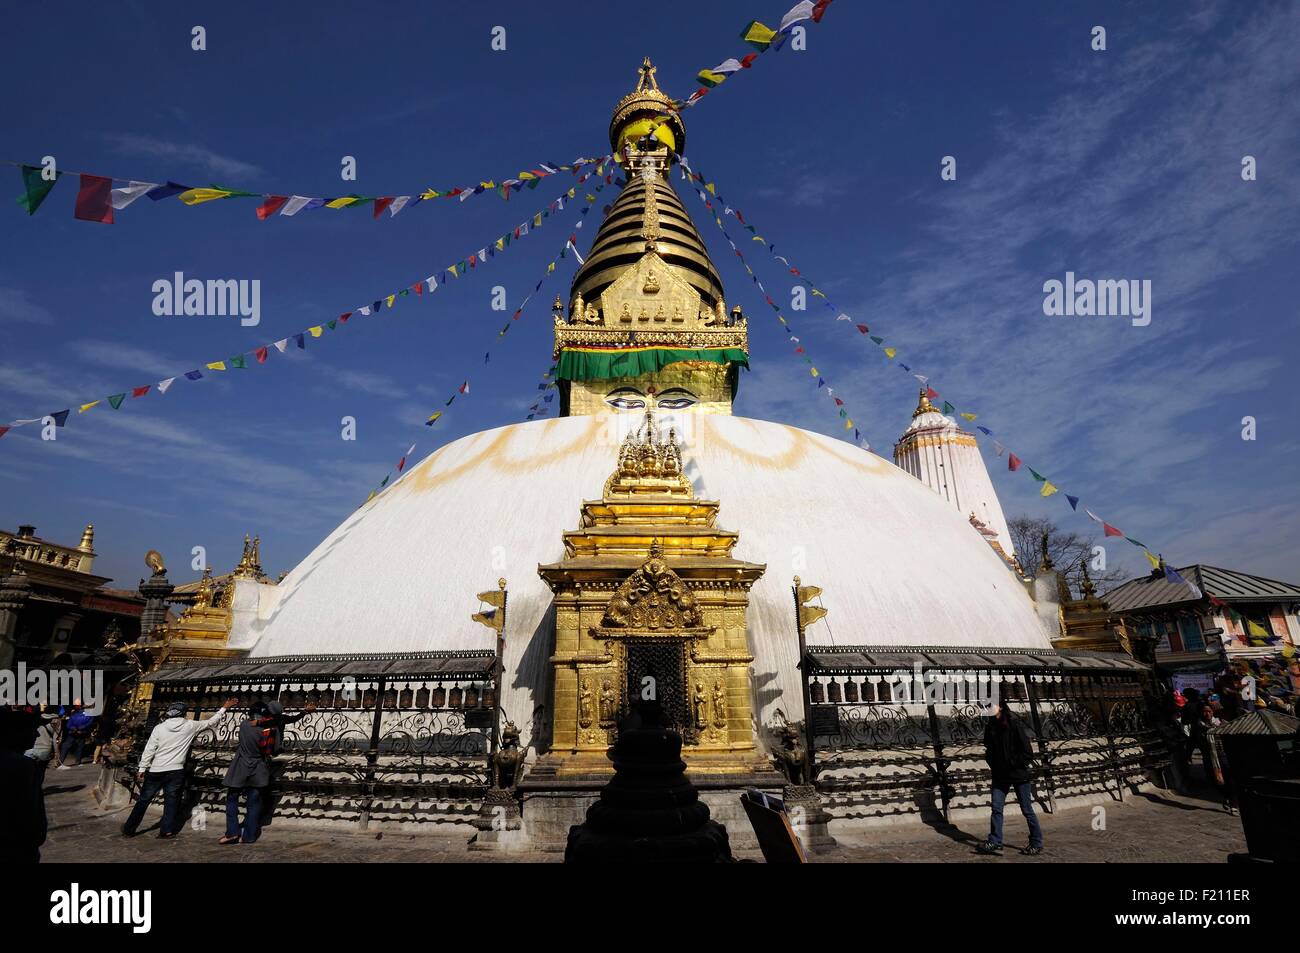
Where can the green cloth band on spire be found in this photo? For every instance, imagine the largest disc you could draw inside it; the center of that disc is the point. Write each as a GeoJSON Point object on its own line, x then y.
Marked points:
{"type": "Point", "coordinates": [605, 365]}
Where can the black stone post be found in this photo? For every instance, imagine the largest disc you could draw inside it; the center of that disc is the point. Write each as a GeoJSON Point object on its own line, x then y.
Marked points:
{"type": "Point", "coordinates": [156, 592]}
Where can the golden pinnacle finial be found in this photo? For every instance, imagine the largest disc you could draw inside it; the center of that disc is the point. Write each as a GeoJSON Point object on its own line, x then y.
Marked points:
{"type": "Point", "coordinates": [87, 539]}
{"type": "Point", "coordinates": [923, 405]}
{"type": "Point", "coordinates": [647, 80]}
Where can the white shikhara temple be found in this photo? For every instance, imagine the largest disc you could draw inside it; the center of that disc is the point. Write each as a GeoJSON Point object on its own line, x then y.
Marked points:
{"type": "Point", "coordinates": [649, 530]}
{"type": "Point", "coordinates": [946, 458]}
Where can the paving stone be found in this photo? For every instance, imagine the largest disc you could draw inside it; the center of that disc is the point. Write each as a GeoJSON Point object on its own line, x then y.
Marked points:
{"type": "Point", "coordinates": [1152, 827]}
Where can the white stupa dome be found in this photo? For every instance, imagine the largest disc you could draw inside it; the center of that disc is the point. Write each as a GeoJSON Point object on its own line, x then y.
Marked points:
{"type": "Point", "coordinates": [899, 565]}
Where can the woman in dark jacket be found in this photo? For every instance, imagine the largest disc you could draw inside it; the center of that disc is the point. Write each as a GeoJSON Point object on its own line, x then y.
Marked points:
{"type": "Point", "coordinates": [1009, 752]}
{"type": "Point", "coordinates": [249, 774]}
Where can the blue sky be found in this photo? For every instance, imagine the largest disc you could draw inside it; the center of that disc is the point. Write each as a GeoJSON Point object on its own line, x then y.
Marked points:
{"type": "Point", "coordinates": [1122, 164]}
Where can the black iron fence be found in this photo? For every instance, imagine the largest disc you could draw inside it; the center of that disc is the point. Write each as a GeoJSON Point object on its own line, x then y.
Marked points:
{"type": "Point", "coordinates": [405, 736]}
{"type": "Point", "coordinates": [902, 731]}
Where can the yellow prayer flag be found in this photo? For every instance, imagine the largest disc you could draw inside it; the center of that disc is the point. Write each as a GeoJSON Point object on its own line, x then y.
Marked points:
{"type": "Point", "coordinates": [526, 176]}
{"type": "Point", "coordinates": [371, 496]}
{"type": "Point", "coordinates": [814, 372]}
{"type": "Point", "coordinates": [86, 407]}
{"type": "Point", "coordinates": [343, 202]}
{"type": "Point", "coordinates": [818, 293]}
{"type": "Point", "coordinates": [316, 331]}
{"type": "Point", "coordinates": [890, 352]}
{"type": "Point", "coordinates": [969, 416]}
{"type": "Point", "coordinates": [759, 238]}
{"type": "Point", "coordinates": [758, 35]}
{"type": "Point", "coordinates": [571, 193]}
{"type": "Point", "coordinates": [217, 366]}
{"type": "Point", "coordinates": [711, 188]}
{"type": "Point", "coordinates": [430, 194]}
{"type": "Point", "coordinates": [390, 299]}
{"type": "Point", "coordinates": [1256, 630]}
{"type": "Point", "coordinates": [1153, 560]}
{"type": "Point", "coordinates": [537, 220]}
{"type": "Point", "coordinates": [1047, 489]}
{"type": "Point", "coordinates": [848, 424]}
{"type": "Point", "coordinates": [550, 268]}
{"type": "Point", "coordinates": [198, 196]}
{"type": "Point", "coordinates": [501, 244]}
{"type": "Point", "coordinates": [436, 415]}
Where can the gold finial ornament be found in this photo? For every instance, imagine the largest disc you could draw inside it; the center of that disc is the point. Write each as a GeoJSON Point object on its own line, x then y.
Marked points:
{"type": "Point", "coordinates": [645, 110]}
{"type": "Point", "coordinates": [923, 405]}
{"type": "Point", "coordinates": [154, 560]}
{"type": "Point", "coordinates": [250, 563]}
{"type": "Point", "coordinates": [87, 543]}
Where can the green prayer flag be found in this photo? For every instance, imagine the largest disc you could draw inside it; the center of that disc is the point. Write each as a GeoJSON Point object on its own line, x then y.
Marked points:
{"type": "Point", "coordinates": [116, 400]}
{"type": "Point", "coordinates": [237, 361]}
{"type": "Point", "coordinates": [948, 408]}
{"type": "Point", "coordinates": [1037, 476]}
{"type": "Point", "coordinates": [877, 340]}
{"type": "Point", "coordinates": [333, 324]}
{"type": "Point", "coordinates": [36, 187]}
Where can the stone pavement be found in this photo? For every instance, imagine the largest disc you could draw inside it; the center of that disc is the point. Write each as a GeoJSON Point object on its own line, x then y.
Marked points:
{"type": "Point", "coordinates": [1151, 827]}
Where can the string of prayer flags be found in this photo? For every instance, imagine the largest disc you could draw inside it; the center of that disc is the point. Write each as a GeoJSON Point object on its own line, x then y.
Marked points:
{"type": "Point", "coordinates": [261, 352]}
{"type": "Point", "coordinates": [792, 337]}
{"type": "Point", "coordinates": [384, 482]}
{"type": "Point", "coordinates": [590, 199]}
{"type": "Point", "coordinates": [762, 38]}
{"type": "Point", "coordinates": [99, 196]}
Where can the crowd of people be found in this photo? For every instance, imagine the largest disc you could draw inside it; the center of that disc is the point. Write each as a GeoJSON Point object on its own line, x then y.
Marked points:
{"type": "Point", "coordinates": [1200, 713]}
{"type": "Point", "coordinates": [33, 739]}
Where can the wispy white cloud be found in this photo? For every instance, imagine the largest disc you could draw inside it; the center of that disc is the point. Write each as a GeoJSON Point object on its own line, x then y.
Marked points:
{"type": "Point", "coordinates": [187, 153]}
{"type": "Point", "coordinates": [17, 306]}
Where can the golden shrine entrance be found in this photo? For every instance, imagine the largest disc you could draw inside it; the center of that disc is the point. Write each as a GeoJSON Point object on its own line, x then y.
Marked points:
{"type": "Point", "coordinates": [650, 602]}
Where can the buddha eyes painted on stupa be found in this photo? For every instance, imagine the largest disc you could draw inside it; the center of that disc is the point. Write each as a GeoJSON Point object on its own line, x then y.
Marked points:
{"type": "Point", "coordinates": [670, 398]}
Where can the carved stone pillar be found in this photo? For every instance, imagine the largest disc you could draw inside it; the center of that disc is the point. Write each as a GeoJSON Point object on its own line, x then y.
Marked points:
{"type": "Point", "coordinates": [14, 592]}
{"type": "Point", "coordinates": [156, 592]}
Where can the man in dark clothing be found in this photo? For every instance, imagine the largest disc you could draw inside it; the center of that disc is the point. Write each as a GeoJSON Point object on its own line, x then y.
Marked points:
{"type": "Point", "coordinates": [78, 734]}
{"type": "Point", "coordinates": [22, 804]}
{"type": "Point", "coordinates": [1009, 752]}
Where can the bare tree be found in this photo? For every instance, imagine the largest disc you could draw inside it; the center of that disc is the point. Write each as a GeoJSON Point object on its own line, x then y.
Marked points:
{"type": "Point", "coordinates": [1068, 551]}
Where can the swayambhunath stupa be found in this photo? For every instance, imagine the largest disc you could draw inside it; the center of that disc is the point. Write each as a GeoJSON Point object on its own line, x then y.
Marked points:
{"type": "Point", "coordinates": [641, 623]}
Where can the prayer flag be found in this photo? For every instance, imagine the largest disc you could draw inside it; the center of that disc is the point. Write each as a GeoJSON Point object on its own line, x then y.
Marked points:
{"type": "Point", "coordinates": [272, 205]}
{"type": "Point", "coordinates": [35, 187]}
{"type": "Point", "coordinates": [115, 400]}
{"type": "Point", "coordinates": [1013, 462]}
{"type": "Point", "coordinates": [124, 195]}
{"type": "Point", "coordinates": [757, 35]}
{"type": "Point", "coordinates": [94, 199]}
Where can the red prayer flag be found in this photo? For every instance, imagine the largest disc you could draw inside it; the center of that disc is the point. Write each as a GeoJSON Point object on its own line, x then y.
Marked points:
{"type": "Point", "coordinates": [418, 287]}
{"type": "Point", "coordinates": [272, 205]}
{"type": "Point", "coordinates": [3, 431]}
{"type": "Point", "coordinates": [343, 318]}
{"type": "Point", "coordinates": [140, 391]}
{"type": "Point", "coordinates": [863, 329]}
{"type": "Point", "coordinates": [748, 61]}
{"type": "Point", "coordinates": [383, 203]}
{"type": "Point", "coordinates": [931, 394]}
{"type": "Point", "coordinates": [261, 354]}
{"type": "Point", "coordinates": [1109, 530]}
{"type": "Point", "coordinates": [1013, 463]}
{"type": "Point", "coordinates": [819, 9]}
{"type": "Point", "coordinates": [95, 199]}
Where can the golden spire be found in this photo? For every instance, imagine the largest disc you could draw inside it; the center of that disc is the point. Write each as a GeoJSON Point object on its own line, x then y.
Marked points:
{"type": "Point", "coordinates": [87, 543]}
{"type": "Point", "coordinates": [923, 406]}
{"type": "Point", "coordinates": [645, 110]}
{"type": "Point", "coordinates": [250, 565]}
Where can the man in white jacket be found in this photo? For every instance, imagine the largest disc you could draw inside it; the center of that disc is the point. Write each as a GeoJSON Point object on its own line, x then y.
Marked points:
{"type": "Point", "coordinates": [162, 766]}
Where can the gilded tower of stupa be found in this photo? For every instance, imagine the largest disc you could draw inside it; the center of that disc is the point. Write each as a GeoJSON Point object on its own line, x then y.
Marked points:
{"type": "Point", "coordinates": [646, 325]}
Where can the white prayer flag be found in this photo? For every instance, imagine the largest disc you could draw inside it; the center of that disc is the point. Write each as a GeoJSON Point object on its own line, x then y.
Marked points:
{"type": "Point", "coordinates": [163, 385]}
{"type": "Point", "coordinates": [398, 204]}
{"type": "Point", "coordinates": [294, 205]}
{"type": "Point", "coordinates": [124, 195]}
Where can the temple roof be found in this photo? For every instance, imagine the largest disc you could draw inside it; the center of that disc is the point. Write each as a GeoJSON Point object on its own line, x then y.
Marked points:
{"type": "Point", "coordinates": [1151, 591]}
